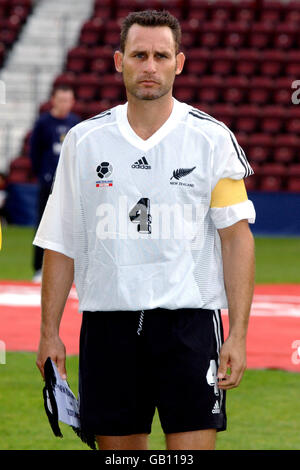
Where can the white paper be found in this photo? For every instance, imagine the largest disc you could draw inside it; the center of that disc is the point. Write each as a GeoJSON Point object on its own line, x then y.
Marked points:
{"type": "Point", "coordinates": [67, 404]}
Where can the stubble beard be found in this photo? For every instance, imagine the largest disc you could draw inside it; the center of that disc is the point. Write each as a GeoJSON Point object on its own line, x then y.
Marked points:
{"type": "Point", "coordinates": [148, 95]}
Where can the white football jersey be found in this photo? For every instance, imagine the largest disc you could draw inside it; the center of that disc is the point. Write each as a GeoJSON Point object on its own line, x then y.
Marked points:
{"type": "Point", "coordinates": [135, 214]}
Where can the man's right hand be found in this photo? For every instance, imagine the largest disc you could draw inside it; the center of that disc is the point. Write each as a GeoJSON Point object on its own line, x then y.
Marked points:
{"type": "Point", "coordinates": [55, 349]}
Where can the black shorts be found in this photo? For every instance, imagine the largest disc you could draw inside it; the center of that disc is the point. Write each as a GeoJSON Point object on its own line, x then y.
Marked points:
{"type": "Point", "coordinates": [132, 362]}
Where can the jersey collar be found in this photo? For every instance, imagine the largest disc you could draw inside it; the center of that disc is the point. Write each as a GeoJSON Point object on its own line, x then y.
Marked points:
{"type": "Point", "coordinates": [129, 134]}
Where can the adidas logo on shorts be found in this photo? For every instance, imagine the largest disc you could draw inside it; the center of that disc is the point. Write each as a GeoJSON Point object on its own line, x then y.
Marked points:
{"type": "Point", "coordinates": [216, 408]}
{"type": "Point", "coordinates": [142, 164]}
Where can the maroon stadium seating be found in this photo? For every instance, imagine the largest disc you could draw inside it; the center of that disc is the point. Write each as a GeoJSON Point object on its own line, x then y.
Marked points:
{"type": "Point", "coordinates": [241, 59]}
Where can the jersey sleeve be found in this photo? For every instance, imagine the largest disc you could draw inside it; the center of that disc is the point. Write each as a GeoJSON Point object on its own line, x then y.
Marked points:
{"type": "Point", "coordinates": [229, 199]}
{"type": "Point", "coordinates": [55, 231]}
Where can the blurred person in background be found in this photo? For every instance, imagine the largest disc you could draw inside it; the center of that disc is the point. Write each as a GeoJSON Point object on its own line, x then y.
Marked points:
{"type": "Point", "coordinates": [2, 203]}
{"type": "Point", "coordinates": [46, 140]}
{"type": "Point", "coordinates": [3, 195]}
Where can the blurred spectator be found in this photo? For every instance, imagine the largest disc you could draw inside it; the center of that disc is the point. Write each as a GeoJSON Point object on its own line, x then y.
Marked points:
{"type": "Point", "coordinates": [46, 140]}
{"type": "Point", "coordinates": [3, 195]}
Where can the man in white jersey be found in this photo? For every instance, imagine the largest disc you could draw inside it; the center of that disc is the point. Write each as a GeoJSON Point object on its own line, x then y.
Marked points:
{"type": "Point", "coordinates": [149, 216]}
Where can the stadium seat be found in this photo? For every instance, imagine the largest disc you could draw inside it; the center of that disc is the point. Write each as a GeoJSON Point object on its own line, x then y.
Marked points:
{"type": "Point", "coordinates": [65, 78]}
{"type": "Point", "coordinates": [234, 89]}
{"type": "Point", "coordinates": [247, 61]}
{"type": "Point", "coordinates": [206, 108]}
{"type": "Point", "coordinates": [285, 148]}
{"type": "Point", "coordinates": [260, 90]}
{"type": "Point", "coordinates": [87, 86]}
{"type": "Point", "coordinates": [292, 122]}
{"type": "Point", "coordinates": [20, 170]}
{"type": "Point", "coordinates": [77, 59]}
{"type": "Point", "coordinates": [236, 34]}
{"type": "Point", "coordinates": [45, 107]}
{"type": "Point", "coordinates": [80, 108]}
{"type": "Point", "coordinates": [112, 38]}
{"type": "Point", "coordinates": [185, 87]}
{"type": "Point", "coordinates": [259, 147]}
{"type": "Point", "coordinates": [273, 118]}
{"type": "Point", "coordinates": [26, 144]}
{"type": "Point", "coordinates": [222, 11]}
{"type": "Point", "coordinates": [292, 12]}
{"type": "Point", "coordinates": [242, 139]}
{"type": "Point", "coordinates": [97, 107]}
{"type": "Point", "coordinates": [188, 39]}
{"type": "Point", "coordinates": [111, 87]}
{"type": "Point", "coordinates": [21, 162]}
{"type": "Point", "coordinates": [272, 62]}
{"type": "Point", "coordinates": [209, 89]}
{"type": "Point", "coordinates": [198, 10]}
{"type": "Point", "coordinates": [197, 61]}
{"type": "Point", "coordinates": [101, 60]}
{"type": "Point", "coordinates": [102, 12]}
{"type": "Point", "coordinates": [285, 35]}
{"type": "Point", "coordinates": [191, 28]}
{"type": "Point", "coordinates": [251, 183]}
{"type": "Point", "coordinates": [271, 183]}
{"type": "Point", "coordinates": [91, 32]}
{"type": "Point", "coordinates": [293, 184]}
{"type": "Point", "coordinates": [210, 34]}
{"type": "Point", "coordinates": [282, 91]}
{"type": "Point", "coordinates": [222, 62]}
{"type": "Point", "coordinates": [292, 63]}
{"type": "Point", "coordinates": [225, 113]}
{"type": "Point", "coordinates": [260, 35]}
{"type": "Point", "coordinates": [294, 170]}
{"type": "Point", "coordinates": [271, 12]}
{"type": "Point", "coordinates": [273, 177]}
{"type": "Point", "coordinates": [274, 169]}
{"type": "Point", "coordinates": [247, 118]}
{"type": "Point", "coordinates": [8, 36]}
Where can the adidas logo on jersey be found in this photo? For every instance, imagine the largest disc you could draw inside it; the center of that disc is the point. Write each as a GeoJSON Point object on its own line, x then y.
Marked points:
{"type": "Point", "coordinates": [216, 408]}
{"type": "Point", "coordinates": [142, 164]}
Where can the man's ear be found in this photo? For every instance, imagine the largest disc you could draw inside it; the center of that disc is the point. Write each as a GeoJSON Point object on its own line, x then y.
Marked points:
{"type": "Point", "coordinates": [180, 60]}
{"type": "Point", "coordinates": [118, 60]}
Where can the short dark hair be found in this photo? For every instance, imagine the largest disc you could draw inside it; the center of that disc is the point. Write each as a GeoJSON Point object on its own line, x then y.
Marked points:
{"type": "Point", "coordinates": [61, 87]}
{"type": "Point", "coordinates": [151, 18]}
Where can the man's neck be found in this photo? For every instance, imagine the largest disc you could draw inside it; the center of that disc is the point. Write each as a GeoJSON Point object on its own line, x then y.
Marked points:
{"type": "Point", "coordinates": [147, 116]}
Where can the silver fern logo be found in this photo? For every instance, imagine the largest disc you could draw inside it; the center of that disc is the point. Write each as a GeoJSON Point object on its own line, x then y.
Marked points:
{"type": "Point", "coordinates": [180, 173]}
{"type": "Point", "coordinates": [177, 174]}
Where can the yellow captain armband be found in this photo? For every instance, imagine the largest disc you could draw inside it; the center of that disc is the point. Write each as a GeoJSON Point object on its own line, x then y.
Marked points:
{"type": "Point", "coordinates": [228, 192]}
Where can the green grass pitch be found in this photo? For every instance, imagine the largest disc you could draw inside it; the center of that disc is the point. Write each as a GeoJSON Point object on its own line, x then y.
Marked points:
{"type": "Point", "coordinates": [263, 412]}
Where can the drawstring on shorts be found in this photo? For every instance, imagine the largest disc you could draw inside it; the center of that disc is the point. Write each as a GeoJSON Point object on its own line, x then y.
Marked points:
{"type": "Point", "coordinates": [140, 327]}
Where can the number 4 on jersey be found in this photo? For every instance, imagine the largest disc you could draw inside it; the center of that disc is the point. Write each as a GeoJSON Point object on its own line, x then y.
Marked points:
{"type": "Point", "coordinates": [140, 214]}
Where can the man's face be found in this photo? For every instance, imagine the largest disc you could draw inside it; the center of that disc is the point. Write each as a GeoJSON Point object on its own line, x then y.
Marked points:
{"type": "Point", "coordinates": [149, 63]}
{"type": "Point", "coordinates": [62, 102]}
